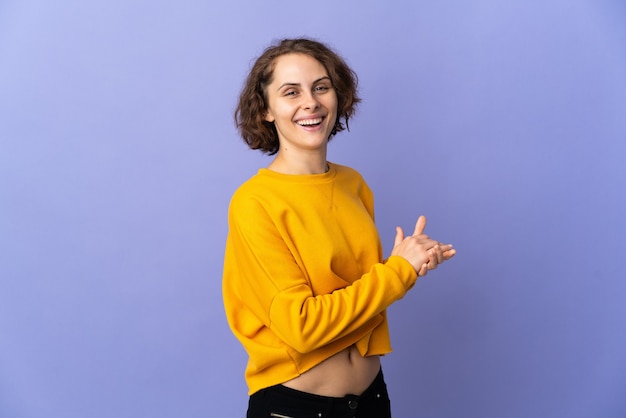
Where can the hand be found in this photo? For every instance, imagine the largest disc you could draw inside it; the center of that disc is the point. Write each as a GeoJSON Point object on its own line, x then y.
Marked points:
{"type": "Point", "coordinates": [420, 250]}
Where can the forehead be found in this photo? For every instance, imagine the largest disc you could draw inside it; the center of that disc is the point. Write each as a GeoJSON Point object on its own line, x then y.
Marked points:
{"type": "Point", "coordinates": [298, 67]}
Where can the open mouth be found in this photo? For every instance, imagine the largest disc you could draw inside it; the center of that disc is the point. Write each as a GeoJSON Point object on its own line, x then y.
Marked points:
{"type": "Point", "coordinates": [310, 122]}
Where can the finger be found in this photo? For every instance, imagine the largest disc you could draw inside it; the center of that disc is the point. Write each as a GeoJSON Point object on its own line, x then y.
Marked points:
{"type": "Point", "coordinates": [433, 262]}
{"type": "Point", "coordinates": [424, 241]}
{"type": "Point", "coordinates": [448, 251]}
{"type": "Point", "coordinates": [423, 270]}
{"type": "Point", "coordinates": [420, 225]}
{"type": "Point", "coordinates": [439, 253]}
{"type": "Point", "coordinates": [399, 236]}
{"type": "Point", "coordinates": [449, 254]}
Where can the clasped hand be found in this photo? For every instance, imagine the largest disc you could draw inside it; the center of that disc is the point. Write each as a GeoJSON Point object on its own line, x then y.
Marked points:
{"type": "Point", "coordinates": [420, 250]}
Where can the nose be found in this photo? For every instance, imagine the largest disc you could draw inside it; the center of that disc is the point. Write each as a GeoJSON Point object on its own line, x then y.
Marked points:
{"type": "Point", "coordinates": [309, 101]}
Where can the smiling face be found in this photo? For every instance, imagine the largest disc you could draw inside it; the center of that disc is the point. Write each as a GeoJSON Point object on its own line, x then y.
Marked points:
{"type": "Point", "coordinates": [301, 102]}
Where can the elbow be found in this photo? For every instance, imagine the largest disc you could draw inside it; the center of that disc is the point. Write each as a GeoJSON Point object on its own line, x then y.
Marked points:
{"type": "Point", "coordinates": [297, 340]}
{"type": "Point", "coordinates": [302, 345]}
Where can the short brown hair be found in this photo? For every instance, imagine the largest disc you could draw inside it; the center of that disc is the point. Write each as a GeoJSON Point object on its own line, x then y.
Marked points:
{"type": "Point", "coordinates": [250, 113]}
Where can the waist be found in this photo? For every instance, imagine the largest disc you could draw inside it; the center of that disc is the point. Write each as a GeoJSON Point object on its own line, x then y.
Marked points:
{"type": "Point", "coordinates": [281, 401]}
{"type": "Point", "coordinates": [345, 373]}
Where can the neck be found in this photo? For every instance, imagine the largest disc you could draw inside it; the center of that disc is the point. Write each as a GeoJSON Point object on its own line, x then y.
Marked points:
{"type": "Point", "coordinates": [306, 163]}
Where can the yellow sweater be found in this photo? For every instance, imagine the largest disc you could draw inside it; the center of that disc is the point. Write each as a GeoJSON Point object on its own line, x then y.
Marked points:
{"type": "Point", "coordinates": [303, 272]}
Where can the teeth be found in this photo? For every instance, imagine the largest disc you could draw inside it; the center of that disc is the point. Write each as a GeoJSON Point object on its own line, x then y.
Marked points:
{"type": "Point", "coordinates": [308, 122]}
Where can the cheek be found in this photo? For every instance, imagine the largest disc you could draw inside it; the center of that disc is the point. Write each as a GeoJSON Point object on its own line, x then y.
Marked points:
{"type": "Point", "coordinates": [281, 112]}
{"type": "Point", "coordinates": [334, 104]}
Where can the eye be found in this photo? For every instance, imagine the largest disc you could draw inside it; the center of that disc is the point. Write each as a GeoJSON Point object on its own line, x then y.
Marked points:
{"type": "Point", "coordinates": [322, 88]}
{"type": "Point", "coordinates": [290, 93]}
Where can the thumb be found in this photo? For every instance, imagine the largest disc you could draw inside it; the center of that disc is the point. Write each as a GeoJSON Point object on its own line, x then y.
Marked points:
{"type": "Point", "coordinates": [399, 236]}
{"type": "Point", "coordinates": [420, 225]}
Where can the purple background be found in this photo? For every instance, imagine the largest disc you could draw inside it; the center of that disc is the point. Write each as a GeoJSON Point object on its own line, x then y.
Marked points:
{"type": "Point", "coordinates": [503, 122]}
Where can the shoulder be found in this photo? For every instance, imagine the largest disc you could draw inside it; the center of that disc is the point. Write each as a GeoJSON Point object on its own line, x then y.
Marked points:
{"type": "Point", "coordinates": [343, 171]}
{"type": "Point", "coordinates": [246, 196]}
{"type": "Point", "coordinates": [350, 175]}
{"type": "Point", "coordinates": [261, 193]}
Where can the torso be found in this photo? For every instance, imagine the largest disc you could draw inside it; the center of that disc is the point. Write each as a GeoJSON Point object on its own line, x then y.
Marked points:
{"type": "Point", "coordinates": [342, 374]}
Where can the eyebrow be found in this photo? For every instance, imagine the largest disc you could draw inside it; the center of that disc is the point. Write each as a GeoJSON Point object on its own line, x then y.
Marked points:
{"type": "Point", "coordinates": [297, 84]}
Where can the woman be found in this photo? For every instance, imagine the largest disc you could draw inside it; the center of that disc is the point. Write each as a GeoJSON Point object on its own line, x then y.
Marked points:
{"type": "Point", "coordinates": [305, 286]}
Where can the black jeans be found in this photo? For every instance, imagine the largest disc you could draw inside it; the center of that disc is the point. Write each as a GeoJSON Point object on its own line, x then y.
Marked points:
{"type": "Point", "coordinates": [283, 402]}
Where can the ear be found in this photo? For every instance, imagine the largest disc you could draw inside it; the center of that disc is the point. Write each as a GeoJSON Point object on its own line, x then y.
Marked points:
{"type": "Point", "coordinates": [268, 116]}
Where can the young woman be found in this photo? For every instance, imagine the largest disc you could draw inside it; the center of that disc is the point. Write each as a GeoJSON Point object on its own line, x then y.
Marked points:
{"type": "Point", "coordinates": [305, 285]}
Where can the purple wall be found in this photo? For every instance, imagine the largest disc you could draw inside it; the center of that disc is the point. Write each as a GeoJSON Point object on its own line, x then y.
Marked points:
{"type": "Point", "coordinates": [503, 122]}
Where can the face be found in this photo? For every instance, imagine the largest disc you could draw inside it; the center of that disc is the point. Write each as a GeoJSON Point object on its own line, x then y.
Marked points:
{"type": "Point", "coordinates": [302, 102]}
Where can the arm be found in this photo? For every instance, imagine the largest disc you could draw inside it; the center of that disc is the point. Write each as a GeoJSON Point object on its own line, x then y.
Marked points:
{"type": "Point", "coordinates": [277, 290]}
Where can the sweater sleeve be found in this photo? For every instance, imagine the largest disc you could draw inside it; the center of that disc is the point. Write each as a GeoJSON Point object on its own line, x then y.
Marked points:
{"type": "Point", "coordinates": [275, 288]}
